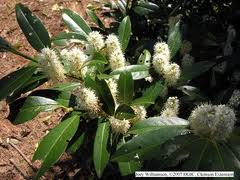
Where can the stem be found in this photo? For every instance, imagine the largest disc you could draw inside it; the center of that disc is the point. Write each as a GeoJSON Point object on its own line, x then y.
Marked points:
{"type": "Point", "coordinates": [25, 56]}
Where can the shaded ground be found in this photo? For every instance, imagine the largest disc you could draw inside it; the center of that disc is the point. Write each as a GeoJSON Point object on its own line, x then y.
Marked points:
{"type": "Point", "coordinates": [24, 138]}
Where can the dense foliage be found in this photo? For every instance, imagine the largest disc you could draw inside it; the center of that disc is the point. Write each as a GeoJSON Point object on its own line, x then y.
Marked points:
{"type": "Point", "coordinates": [156, 90]}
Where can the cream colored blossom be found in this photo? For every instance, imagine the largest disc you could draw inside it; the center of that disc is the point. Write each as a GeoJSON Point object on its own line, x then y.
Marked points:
{"type": "Point", "coordinates": [117, 60]}
{"type": "Point", "coordinates": [212, 121]}
{"type": "Point", "coordinates": [140, 114]}
{"type": "Point", "coordinates": [172, 74]}
{"type": "Point", "coordinates": [163, 49]}
{"type": "Point", "coordinates": [119, 126]}
{"type": "Point", "coordinates": [51, 65]}
{"type": "Point", "coordinates": [115, 53]}
{"type": "Point", "coordinates": [76, 59]}
{"type": "Point", "coordinates": [171, 107]}
{"type": "Point", "coordinates": [113, 44]}
{"type": "Point", "coordinates": [87, 100]}
{"type": "Point", "coordinates": [112, 84]}
{"type": "Point", "coordinates": [234, 101]}
{"type": "Point", "coordinates": [162, 65]}
{"type": "Point", "coordinates": [96, 40]}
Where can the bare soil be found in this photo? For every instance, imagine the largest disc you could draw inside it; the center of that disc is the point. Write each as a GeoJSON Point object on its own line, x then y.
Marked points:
{"type": "Point", "coordinates": [24, 138]}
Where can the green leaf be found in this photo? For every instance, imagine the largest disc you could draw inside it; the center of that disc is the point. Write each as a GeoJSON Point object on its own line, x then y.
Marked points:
{"type": "Point", "coordinates": [64, 38]}
{"type": "Point", "coordinates": [193, 93]}
{"type": "Point", "coordinates": [15, 81]}
{"type": "Point", "coordinates": [157, 123]}
{"type": "Point", "coordinates": [149, 95]}
{"type": "Point", "coordinates": [32, 28]}
{"type": "Point", "coordinates": [5, 46]}
{"type": "Point", "coordinates": [35, 81]}
{"type": "Point", "coordinates": [100, 153]}
{"type": "Point", "coordinates": [66, 86]}
{"type": "Point", "coordinates": [202, 154]}
{"type": "Point", "coordinates": [144, 8]}
{"type": "Point", "coordinates": [122, 6]}
{"type": "Point", "coordinates": [138, 71]}
{"type": "Point", "coordinates": [34, 105]}
{"type": "Point", "coordinates": [76, 144]}
{"type": "Point", "coordinates": [97, 59]}
{"type": "Point", "coordinates": [124, 112]}
{"type": "Point", "coordinates": [191, 72]}
{"type": "Point", "coordinates": [95, 19]}
{"type": "Point", "coordinates": [129, 167]}
{"type": "Point", "coordinates": [55, 143]}
{"type": "Point", "coordinates": [145, 58]}
{"type": "Point", "coordinates": [75, 22]}
{"type": "Point", "coordinates": [124, 32]}
{"type": "Point", "coordinates": [144, 144]}
{"type": "Point", "coordinates": [175, 39]}
{"type": "Point", "coordinates": [103, 92]}
{"type": "Point", "coordinates": [126, 87]}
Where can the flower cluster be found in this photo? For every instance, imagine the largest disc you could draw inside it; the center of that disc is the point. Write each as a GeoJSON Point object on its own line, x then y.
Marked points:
{"type": "Point", "coordinates": [96, 42]}
{"type": "Point", "coordinates": [75, 58]}
{"type": "Point", "coordinates": [171, 107]}
{"type": "Point", "coordinates": [119, 126]}
{"type": "Point", "coordinates": [51, 65]}
{"type": "Point", "coordinates": [212, 121]}
{"type": "Point", "coordinates": [112, 84]}
{"type": "Point", "coordinates": [86, 99]}
{"type": "Point", "coordinates": [140, 113]}
{"type": "Point", "coordinates": [161, 63]}
{"type": "Point", "coordinates": [115, 53]}
{"type": "Point", "coordinates": [234, 101]}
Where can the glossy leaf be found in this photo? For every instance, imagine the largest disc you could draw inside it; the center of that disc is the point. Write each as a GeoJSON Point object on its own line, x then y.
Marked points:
{"type": "Point", "coordinates": [35, 81]}
{"type": "Point", "coordinates": [65, 38]}
{"type": "Point", "coordinates": [155, 123]}
{"type": "Point", "coordinates": [191, 72]}
{"type": "Point", "coordinates": [145, 7]}
{"type": "Point", "coordinates": [149, 95]}
{"type": "Point", "coordinates": [55, 143]}
{"type": "Point", "coordinates": [97, 59]}
{"type": "Point", "coordinates": [34, 105]}
{"type": "Point", "coordinates": [145, 58]}
{"type": "Point", "coordinates": [32, 28]}
{"type": "Point", "coordinates": [100, 153]}
{"type": "Point", "coordinates": [174, 39]}
{"type": "Point", "coordinates": [125, 87]}
{"type": "Point", "coordinates": [75, 22]}
{"type": "Point", "coordinates": [66, 86]}
{"type": "Point", "coordinates": [15, 81]}
{"type": "Point", "coordinates": [95, 19]}
{"type": "Point", "coordinates": [124, 112]}
{"type": "Point", "coordinates": [124, 32]}
{"type": "Point", "coordinates": [144, 144]}
{"type": "Point", "coordinates": [138, 71]}
{"type": "Point", "coordinates": [122, 6]}
{"type": "Point", "coordinates": [5, 46]}
{"type": "Point", "coordinates": [127, 168]}
{"type": "Point", "coordinates": [76, 144]}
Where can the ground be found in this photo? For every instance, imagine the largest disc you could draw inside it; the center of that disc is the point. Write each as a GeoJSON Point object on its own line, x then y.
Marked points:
{"type": "Point", "coordinates": [24, 139]}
